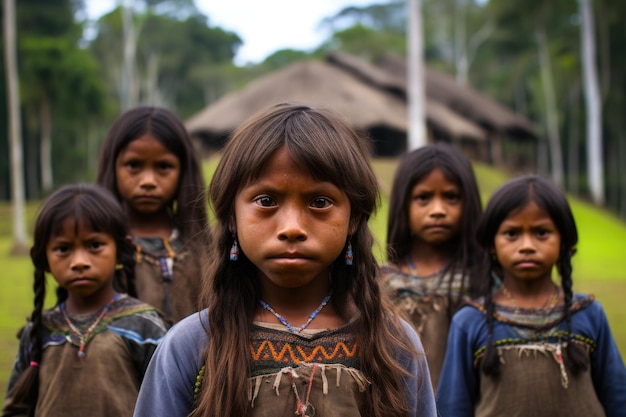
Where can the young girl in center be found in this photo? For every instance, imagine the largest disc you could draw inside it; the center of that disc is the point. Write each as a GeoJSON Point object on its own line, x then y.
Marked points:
{"type": "Point", "coordinates": [432, 253]}
{"type": "Point", "coordinates": [532, 347]}
{"type": "Point", "coordinates": [296, 322]}
{"type": "Point", "coordinates": [148, 162]}
{"type": "Point", "coordinates": [88, 354]}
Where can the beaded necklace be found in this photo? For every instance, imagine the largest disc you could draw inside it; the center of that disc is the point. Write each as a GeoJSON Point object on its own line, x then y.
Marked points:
{"type": "Point", "coordinates": [84, 338]}
{"type": "Point", "coordinates": [288, 325]}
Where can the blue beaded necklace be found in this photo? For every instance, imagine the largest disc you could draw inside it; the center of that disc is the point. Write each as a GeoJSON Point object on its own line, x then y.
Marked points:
{"type": "Point", "coordinates": [288, 325]}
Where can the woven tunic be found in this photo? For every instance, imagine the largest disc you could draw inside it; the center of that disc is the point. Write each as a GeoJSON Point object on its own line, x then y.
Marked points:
{"type": "Point", "coordinates": [322, 366]}
{"type": "Point", "coordinates": [535, 379]}
{"type": "Point", "coordinates": [106, 381]}
{"type": "Point", "coordinates": [168, 275]}
{"type": "Point", "coordinates": [426, 301]}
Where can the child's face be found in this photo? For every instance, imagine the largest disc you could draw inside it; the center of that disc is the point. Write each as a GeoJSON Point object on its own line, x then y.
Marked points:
{"type": "Point", "coordinates": [435, 209]}
{"type": "Point", "coordinates": [527, 244]}
{"type": "Point", "coordinates": [83, 262]}
{"type": "Point", "coordinates": [147, 175]}
{"type": "Point", "coordinates": [291, 226]}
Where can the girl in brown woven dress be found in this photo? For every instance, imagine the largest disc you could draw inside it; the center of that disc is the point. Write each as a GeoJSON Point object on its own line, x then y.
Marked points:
{"type": "Point", "coordinates": [87, 355]}
{"type": "Point", "coordinates": [532, 347]}
{"type": "Point", "coordinates": [432, 253]}
{"type": "Point", "coordinates": [148, 162]}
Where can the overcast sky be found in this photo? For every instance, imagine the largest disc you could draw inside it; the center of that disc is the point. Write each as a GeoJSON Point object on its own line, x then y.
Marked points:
{"type": "Point", "coordinates": [264, 26]}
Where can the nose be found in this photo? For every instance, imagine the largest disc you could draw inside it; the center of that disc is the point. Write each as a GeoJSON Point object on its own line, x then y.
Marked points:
{"type": "Point", "coordinates": [148, 179]}
{"type": "Point", "coordinates": [291, 226]}
{"type": "Point", "coordinates": [526, 244]}
{"type": "Point", "coordinates": [437, 208]}
{"type": "Point", "coordinates": [80, 261]}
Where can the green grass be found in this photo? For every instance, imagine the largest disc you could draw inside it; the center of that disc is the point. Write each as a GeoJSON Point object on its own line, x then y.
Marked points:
{"type": "Point", "coordinates": [599, 265]}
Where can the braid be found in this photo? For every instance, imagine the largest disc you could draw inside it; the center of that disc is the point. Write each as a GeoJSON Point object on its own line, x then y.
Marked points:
{"type": "Point", "coordinates": [124, 280]}
{"type": "Point", "coordinates": [576, 354]}
{"type": "Point", "coordinates": [491, 360]}
{"type": "Point", "coordinates": [129, 277]}
{"type": "Point", "coordinates": [23, 396]}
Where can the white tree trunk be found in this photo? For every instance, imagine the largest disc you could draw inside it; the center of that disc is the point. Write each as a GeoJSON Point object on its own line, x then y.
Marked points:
{"type": "Point", "coordinates": [552, 116]}
{"type": "Point", "coordinates": [415, 76]}
{"type": "Point", "coordinates": [460, 50]}
{"type": "Point", "coordinates": [594, 106]}
{"type": "Point", "coordinates": [15, 132]}
{"type": "Point", "coordinates": [45, 156]}
{"type": "Point", "coordinates": [128, 96]}
{"type": "Point", "coordinates": [574, 136]}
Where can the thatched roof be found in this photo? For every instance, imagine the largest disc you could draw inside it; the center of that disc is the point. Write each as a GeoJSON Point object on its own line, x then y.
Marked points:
{"type": "Point", "coordinates": [437, 114]}
{"type": "Point", "coordinates": [324, 84]}
{"type": "Point", "coordinates": [462, 99]}
{"type": "Point", "coordinates": [313, 83]}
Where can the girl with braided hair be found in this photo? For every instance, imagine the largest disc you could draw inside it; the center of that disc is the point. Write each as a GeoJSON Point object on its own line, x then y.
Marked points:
{"type": "Point", "coordinates": [531, 347]}
{"type": "Point", "coordinates": [87, 355]}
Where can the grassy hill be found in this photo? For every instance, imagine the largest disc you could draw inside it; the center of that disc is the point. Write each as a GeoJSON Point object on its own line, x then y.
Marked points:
{"type": "Point", "coordinates": [599, 265]}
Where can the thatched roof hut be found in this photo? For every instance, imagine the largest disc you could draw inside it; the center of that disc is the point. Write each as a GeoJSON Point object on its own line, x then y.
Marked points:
{"type": "Point", "coordinates": [311, 82]}
{"type": "Point", "coordinates": [380, 113]}
{"type": "Point", "coordinates": [463, 99]}
{"type": "Point", "coordinates": [505, 128]}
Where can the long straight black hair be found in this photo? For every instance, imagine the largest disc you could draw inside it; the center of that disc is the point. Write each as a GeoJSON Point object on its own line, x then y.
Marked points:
{"type": "Point", "coordinates": [467, 256]}
{"type": "Point", "coordinates": [332, 151]}
{"type": "Point", "coordinates": [190, 215]}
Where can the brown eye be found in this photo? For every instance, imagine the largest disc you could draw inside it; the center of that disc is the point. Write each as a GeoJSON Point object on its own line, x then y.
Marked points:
{"type": "Point", "coordinates": [265, 201]}
{"type": "Point", "coordinates": [320, 203]}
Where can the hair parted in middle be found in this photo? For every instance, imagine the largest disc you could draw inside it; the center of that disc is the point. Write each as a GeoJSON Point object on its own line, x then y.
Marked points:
{"type": "Point", "coordinates": [163, 125]}
{"type": "Point", "coordinates": [328, 147]}
{"type": "Point", "coordinates": [468, 257]}
{"type": "Point", "coordinates": [510, 197]}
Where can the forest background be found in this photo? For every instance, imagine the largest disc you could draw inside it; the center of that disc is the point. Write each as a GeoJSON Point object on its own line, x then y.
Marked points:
{"type": "Point", "coordinates": [76, 76]}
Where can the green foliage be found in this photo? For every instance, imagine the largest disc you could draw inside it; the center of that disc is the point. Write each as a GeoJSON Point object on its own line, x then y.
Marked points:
{"type": "Point", "coordinates": [180, 63]}
{"type": "Point", "coordinates": [366, 42]}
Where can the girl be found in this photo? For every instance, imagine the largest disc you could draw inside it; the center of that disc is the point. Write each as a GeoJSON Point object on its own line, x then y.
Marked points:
{"type": "Point", "coordinates": [88, 354]}
{"type": "Point", "coordinates": [531, 347]}
{"type": "Point", "coordinates": [148, 162]}
{"type": "Point", "coordinates": [432, 253]}
{"type": "Point", "coordinates": [296, 323]}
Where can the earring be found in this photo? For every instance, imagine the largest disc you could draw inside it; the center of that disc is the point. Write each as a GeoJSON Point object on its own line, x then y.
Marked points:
{"type": "Point", "coordinates": [174, 207]}
{"type": "Point", "coordinates": [349, 255]}
{"type": "Point", "coordinates": [234, 251]}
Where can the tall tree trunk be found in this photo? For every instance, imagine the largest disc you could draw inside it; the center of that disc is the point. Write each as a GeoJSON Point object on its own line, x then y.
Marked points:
{"type": "Point", "coordinates": [45, 156]}
{"type": "Point", "coordinates": [128, 92]}
{"type": "Point", "coordinates": [460, 50]}
{"type": "Point", "coordinates": [594, 106]}
{"type": "Point", "coordinates": [415, 76]}
{"type": "Point", "coordinates": [573, 171]}
{"type": "Point", "coordinates": [151, 85]}
{"type": "Point", "coordinates": [552, 116]}
{"type": "Point", "coordinates": [465, 47]}
{"type": "Point", "coordinates": [15, 135]}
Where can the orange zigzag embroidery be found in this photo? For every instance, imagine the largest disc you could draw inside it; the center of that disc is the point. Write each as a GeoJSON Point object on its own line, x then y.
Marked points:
{"type": "Point", "coordinates": [299, 355]}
